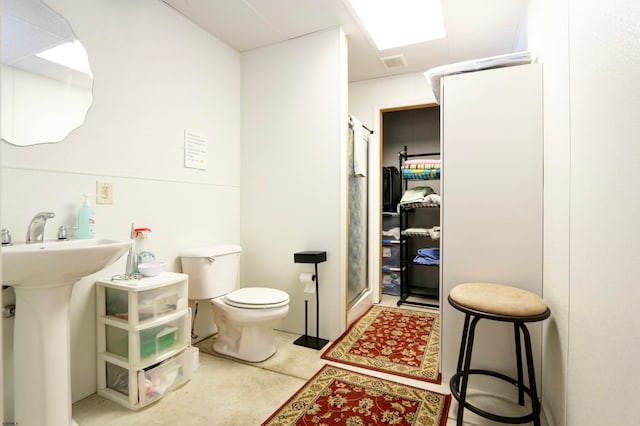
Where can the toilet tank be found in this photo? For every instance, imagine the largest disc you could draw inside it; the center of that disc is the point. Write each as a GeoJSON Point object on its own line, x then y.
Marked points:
{"type": "Point", "coordinates": [213, 271]}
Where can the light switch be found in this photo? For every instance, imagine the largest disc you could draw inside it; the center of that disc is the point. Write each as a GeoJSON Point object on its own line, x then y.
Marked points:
{"type": "Point", "coordinates": [104, 193]}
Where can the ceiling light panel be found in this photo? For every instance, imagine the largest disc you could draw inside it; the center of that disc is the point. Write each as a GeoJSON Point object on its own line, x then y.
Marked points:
{"type": "Point", "coordinates": [400, 22]}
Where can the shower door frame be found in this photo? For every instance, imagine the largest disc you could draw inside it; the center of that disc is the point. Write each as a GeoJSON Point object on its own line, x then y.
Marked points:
{"type": "Point", "coordinates": [363, 197]}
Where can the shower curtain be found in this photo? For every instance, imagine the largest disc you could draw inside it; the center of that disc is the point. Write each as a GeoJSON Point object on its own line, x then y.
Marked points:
{"type": "Point", "coordinates": [358, 212]}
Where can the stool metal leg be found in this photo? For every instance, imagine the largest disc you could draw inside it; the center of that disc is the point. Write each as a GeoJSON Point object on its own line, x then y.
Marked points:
{"type": "Point", "coordinates": [535, 403]}
{"type": "Point", "coordinates": [516, 330]}
{"type": "Point", "coordinates": [470, 331]}
{"type": "Point", "coordinates": [463, 342]}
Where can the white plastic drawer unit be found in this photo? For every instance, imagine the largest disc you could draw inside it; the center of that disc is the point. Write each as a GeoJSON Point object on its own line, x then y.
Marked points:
{"type": "Point", "coordinates": [146, 343]}
{"type": "Point", "coordinates": [137, 388]}
{"type": "Point", "coordinates": [138, 301]}
{"type": "Point", "coordinates": [143, 337]}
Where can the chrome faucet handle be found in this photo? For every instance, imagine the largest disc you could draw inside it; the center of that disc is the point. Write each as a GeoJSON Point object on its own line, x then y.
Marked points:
{"type": "Point", "coordinates": [35, 231]}
{"type": "Point", "coordinates": [6, 237]}
{"type": "Point", "coordinates": [63, 231]}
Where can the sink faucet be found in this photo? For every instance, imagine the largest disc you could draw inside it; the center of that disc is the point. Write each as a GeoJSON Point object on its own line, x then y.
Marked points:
{"type": "Point", "coordinates": [6, 238]}
{"type": "Point", "coordinates": [35, 232]}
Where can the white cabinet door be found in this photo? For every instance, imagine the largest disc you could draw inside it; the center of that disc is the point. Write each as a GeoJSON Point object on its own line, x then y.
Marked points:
{"type": "Point", "coordinates": [492, 142]}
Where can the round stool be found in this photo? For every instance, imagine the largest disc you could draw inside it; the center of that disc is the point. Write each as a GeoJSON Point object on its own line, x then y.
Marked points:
{"type": "Point", "coordinates": [496, 302]}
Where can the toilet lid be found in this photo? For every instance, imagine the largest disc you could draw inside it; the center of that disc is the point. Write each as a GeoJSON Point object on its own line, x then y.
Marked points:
{"type": "Point", "coordinates": [257, 298]}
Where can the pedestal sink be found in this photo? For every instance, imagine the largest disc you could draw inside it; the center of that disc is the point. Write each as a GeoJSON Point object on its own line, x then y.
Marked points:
{"type": "Point", "coordinates": [43, 275]}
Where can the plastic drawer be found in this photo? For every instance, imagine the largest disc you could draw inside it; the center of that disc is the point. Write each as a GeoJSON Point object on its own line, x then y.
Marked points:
{"type": "Point", "coordinates": [391, 283]}
{"type": "Point", "coordinates": [117, 378]}
{"type": "Point", "coordinates": [151, 383]}
{"type": "Point", "coordinates": [390, 221]}
{"type": "Point", "coordinates": [149, 342]}
{"type": "Point", "coordinates": [391, 254]}
{"type": "Point", "coordinates": [151, 304]}
{"type": "Point", "coordinates": [155, 381]}
{"type": "Point", "coordinates": [117, 341]}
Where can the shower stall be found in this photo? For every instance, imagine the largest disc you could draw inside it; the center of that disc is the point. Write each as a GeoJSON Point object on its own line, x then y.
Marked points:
{"type": "Point", "coordinates": [358, 244]}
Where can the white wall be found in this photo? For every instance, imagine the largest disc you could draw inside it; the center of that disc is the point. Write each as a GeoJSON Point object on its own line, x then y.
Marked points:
{"type": "Point", "coordinates": [604, 266]}
{"type": "Point", "coordinates": [590, 60]}
{"type": "Point", "coordinates": [366, 97]}
{"type": "Point", "coordinates": [156, 74]}
{"type": "Point", "coordinates": [294, 142]}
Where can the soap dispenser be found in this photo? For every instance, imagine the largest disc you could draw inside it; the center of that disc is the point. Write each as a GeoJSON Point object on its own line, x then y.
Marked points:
{"type": "Point", "coordinates": [86, 219]}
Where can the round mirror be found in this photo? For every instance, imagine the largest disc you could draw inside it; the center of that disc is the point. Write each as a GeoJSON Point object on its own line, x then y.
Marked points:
{"type": "Point", "coordinates": [45, 79]}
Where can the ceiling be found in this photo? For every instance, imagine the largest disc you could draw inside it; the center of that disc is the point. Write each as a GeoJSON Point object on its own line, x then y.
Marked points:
{"type": "Point", "coordinates": [475, 29]}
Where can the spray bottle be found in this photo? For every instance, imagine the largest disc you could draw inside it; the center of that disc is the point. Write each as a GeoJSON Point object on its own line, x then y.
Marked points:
{"type": "Point", "coordinates": [142, 247]}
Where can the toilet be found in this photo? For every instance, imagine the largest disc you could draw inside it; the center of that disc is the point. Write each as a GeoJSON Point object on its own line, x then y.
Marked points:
{"type": "Point", "coordinates": [244, 317]}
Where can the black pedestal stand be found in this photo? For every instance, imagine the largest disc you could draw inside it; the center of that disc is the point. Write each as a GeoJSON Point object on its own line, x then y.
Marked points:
{"type": "Point", "coordinates": [307, 341]}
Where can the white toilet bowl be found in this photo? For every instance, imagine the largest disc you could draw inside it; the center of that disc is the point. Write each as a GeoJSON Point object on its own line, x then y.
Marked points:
{"type": "Point", "coordinates": [245, 319]}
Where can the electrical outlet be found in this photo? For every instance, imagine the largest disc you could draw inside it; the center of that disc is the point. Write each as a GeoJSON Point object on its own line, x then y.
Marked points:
{"type": "Point", "coordinates": [104, 193]}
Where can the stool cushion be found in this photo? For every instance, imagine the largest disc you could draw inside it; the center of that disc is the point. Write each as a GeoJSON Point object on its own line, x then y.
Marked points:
{"type": "Point", "coordinates": [498, 299]}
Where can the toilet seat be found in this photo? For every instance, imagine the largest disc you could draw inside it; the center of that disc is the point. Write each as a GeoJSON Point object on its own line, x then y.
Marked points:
{"type": "Point", "coordinates": [257, 298]}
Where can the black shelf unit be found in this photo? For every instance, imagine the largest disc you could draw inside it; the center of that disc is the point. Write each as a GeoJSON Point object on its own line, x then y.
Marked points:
{"type": "Point", "coordinates": [415, 277]}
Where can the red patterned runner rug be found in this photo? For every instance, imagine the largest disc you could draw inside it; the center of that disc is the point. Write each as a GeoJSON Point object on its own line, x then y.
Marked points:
{"type": "Point", "coordinates": [392, 340]}
{"type": "Point", "coordinates": [335, 396]}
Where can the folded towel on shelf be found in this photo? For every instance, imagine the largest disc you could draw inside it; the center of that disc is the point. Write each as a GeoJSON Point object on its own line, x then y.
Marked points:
{"type": "Point", "coordinates": [421, 163]}
{"type": "Point", "coordinates": [421, 174]}
{"type": "Point", "coordinates": [432, 199]}
{"type": "Point", "coordinates": [416, 195]}
{"type": "Point", "coordinates": [428, 256]}
{"type": "Point", "coordinates": [415, 232]}
{"type": "Point", "coordinates": [434, 233]}
{"type": "Point", "coordinates": [393, 232]}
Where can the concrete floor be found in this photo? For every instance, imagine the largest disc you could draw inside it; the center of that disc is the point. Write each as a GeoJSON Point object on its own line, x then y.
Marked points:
{"type": "Point", "coordinates": [223, 391]}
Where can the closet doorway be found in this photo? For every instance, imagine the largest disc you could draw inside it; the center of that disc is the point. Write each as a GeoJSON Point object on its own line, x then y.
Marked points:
{"type": "Point", "coordinates": [420, 116]}
{"type": "Point", "coordinates": [410, 235]}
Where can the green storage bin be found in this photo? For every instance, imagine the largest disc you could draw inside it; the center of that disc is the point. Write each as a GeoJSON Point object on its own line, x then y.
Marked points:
{"type": "Point", "coordinates": [156, 340]}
